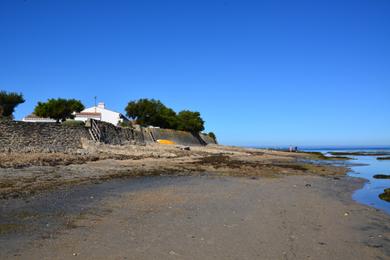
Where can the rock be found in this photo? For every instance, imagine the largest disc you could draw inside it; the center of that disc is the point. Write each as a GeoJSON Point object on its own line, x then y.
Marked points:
{"type": "Point", "coordinates": [173, 253]}
{"type": "Point", "coordinates": [381, 176]}
{"type": "Point", "coordinates": [385, 195]}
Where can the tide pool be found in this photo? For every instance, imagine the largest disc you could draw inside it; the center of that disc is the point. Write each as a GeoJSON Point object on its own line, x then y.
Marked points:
{"type": "Point", "coordinates": [366, 167]}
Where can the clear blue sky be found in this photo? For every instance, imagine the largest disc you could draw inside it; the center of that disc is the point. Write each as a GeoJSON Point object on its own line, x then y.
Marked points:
{"type": "Point", "coordinates": [260, 72]}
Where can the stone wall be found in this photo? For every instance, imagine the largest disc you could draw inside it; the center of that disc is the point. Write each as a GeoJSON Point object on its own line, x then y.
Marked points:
{"type": "Point", "coordinates": [20, 136]}
{"type": "Point", "coordinates": [111, 134]}
{"type": "Point", "coordinates": [40, 137]}
{"type": "Point", "coordinates": [207, 139]}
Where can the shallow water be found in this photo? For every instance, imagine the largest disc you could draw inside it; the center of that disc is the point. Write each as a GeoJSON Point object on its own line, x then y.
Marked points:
{"type": "Point", "coordinates": [366, 167]}
{"type": "Point", "coordinates": [369, 194]}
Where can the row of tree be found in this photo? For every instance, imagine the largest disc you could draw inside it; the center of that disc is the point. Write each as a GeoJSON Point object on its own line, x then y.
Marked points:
{"type": "Point", "coordinates": [143, 111]}
{"type": "Point", "coordinates": [153, 112]}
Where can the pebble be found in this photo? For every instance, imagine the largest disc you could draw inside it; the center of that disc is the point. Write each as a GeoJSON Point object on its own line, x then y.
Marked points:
{"type": "Point", "coordinates": [173, 252]}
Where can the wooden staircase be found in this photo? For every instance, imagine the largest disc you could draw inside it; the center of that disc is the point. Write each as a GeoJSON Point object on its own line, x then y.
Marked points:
{"type": "Point", "coordinates": [94, 131]}
{"type": "Point", "coordinates": [151, 135]}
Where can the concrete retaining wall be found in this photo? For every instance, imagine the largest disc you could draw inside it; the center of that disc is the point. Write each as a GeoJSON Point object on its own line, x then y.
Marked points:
{"type": "Point", "coordinates": [179, 137]}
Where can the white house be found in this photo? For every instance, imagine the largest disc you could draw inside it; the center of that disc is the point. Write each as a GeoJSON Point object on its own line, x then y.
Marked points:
{"type": "Point", "coordinates": [100, 112]}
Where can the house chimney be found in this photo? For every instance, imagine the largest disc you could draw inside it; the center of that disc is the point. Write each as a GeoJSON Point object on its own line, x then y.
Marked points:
{"type": "Point", "coordinates": [101, 105]}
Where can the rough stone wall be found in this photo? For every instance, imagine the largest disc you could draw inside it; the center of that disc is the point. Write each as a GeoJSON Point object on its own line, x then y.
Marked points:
{"type": "Point", "coordinates": [111, 134]}
{"type": "Point", "coordinates": [20, 136]}
{"type": "Point", "coordinates": [40, 137]}
{"type": "Point", "coordinates": [179, 137]}
{"type": "Point", "coordinates": [207, 139]}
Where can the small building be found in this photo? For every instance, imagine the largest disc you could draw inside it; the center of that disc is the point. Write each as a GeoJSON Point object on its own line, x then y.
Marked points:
{"type": "Point", "coordinates": [100, 112]}
{"type": "Point", "coordinates": [34, 118]}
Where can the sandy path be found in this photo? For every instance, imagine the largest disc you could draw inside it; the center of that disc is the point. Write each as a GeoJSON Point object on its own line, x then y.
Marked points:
{"type": "Point", "coordinates": [206, 217]}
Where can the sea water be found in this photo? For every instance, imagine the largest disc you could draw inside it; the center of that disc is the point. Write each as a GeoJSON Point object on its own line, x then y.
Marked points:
{"type": "Point", "coordinates": [366, 167]}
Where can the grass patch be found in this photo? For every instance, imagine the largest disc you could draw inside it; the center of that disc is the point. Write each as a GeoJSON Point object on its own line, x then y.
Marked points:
{"type": "Point", "coordinates": [73, 123]}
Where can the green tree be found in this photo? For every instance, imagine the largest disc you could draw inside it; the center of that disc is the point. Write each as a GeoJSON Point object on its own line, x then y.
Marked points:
{"type": "Point", "coordinates": [8, 102]}
{"type": "Point", "coordinates": [190, 121]}
{"type": "Point", "coordinates": [151, 112]}
{"type": "Point", "coordinates": [168, 119]}
{"type": "Point", "coordinates": [213, 136]}
{"type": "Point", "coordinates": [58, 109]}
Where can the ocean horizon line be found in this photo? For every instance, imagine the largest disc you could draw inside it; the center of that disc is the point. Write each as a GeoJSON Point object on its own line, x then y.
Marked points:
{"type": "Point", "coordinates": [325, 147]}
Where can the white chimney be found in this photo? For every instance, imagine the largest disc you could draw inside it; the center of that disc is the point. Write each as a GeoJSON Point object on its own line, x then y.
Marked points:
{"type": "Point", "coordinates": [101, 105]}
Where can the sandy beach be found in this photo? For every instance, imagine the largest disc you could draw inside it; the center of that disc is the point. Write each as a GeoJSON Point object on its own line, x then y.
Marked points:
{"type": "Point", "coordinates": [168, 202]}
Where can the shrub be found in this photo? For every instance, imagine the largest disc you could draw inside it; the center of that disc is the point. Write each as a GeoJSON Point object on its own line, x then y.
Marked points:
{"type": "Point", "coordinates": [125, 124]}
{"type": "Point", "coordinates": [71, 122]}
{"type": "Point", "coordinates": [213, 136]}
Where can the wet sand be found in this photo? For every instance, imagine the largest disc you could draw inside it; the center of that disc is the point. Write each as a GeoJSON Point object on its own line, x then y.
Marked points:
{"type": "Point", "coordinates": [202, 217]}
{"type": "Point", "coordinates": [165, 202]}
